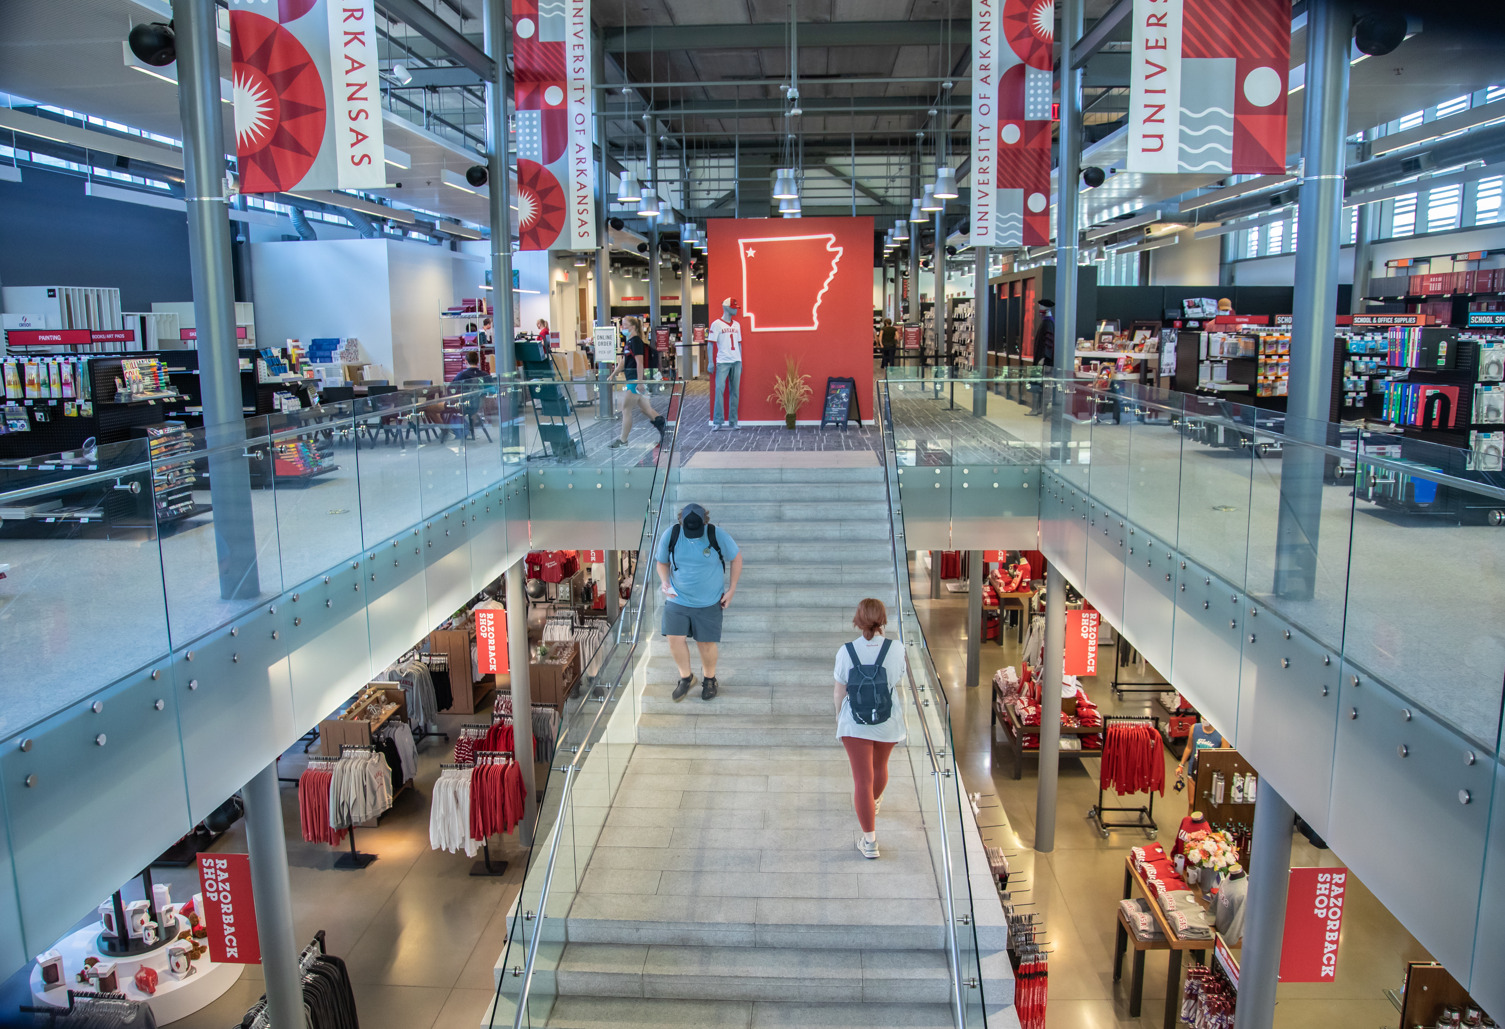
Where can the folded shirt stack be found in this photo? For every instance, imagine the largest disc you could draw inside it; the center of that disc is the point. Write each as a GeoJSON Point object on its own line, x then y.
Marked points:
{"type": "Point", "coordinates": [1191, 925]}
{"type": "Point", "coordinates": [1141, 920]}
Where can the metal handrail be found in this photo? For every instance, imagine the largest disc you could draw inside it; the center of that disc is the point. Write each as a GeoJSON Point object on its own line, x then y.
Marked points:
{"type": "Point", "coordinates": [666, 462]}
{"type": "Point", "coordinates": [938, 769]}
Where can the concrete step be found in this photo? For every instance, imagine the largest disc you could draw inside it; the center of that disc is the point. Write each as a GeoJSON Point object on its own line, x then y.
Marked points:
{"type": "Point", "coordinates": [745, 694]}
{"type": "Point", "coordinates": [844, 494]}
{"type": "Point", "coordinates": [735, 728]}
{"type": "Point", "coordinates": [612, 1012]}
{"type": "Point", "coordinates": [808, 591]}
{"type": "Point", "coordinates": [748, 634]}
{"type": "Point", "coordinates": [760, 505]}
{"type": "Point", "coordinates": [750, 974]}
{"type": "Point", "coordinates": [824, 554]}
{"type": "Point", "coordinates": [747, 619]}
{"type": "Point", "coordinates": [874, 531]}
{"type": "Point", "coordinates": [866, 574]}
{"type": "Point", "coordinates": [777, 476]}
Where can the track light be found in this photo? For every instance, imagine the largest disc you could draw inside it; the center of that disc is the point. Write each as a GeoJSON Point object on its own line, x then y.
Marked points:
{"type": "Point", "coordinates": [401, 75]}
{"type": "Point", "coordinates": [916, 213]}
{"type": "Point", "coordinates": [628, 191]}
{"type": "Point", "coordinates": [930, 203]}
{"type": "Point", "coordinates": [945, 184]}
{"type": "Point", "coordinates": [154, 44]}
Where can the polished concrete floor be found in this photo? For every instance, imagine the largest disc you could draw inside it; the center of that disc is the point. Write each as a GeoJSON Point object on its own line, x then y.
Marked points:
{"type": "Point", "coordinates": [1077, 885]}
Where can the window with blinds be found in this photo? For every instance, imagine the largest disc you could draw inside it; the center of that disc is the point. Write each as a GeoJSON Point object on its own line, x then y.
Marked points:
{"type": "Point", "coordinates": [1444, 208]}
{"type": "Point", "coordinates": [1487, 200]}
{"type": "Point", "coordinates": [1403, 216]}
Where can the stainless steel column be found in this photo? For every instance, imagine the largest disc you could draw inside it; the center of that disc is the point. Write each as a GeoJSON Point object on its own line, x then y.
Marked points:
{"type": "Point", "coordinates": [214, 298]}
{"type": "Point", "coordinates": [935, 575]}
{"type": "Point", "coordinates": [613, 573]}
{"type": "Point", "coordinates": [1067, 206]}
{"type": "Point", "coordinates": [653, 260]}
{"type": "Point", "coordinates": [1329, 27]}
{"type": "Point", "coordinates": [266, 846]}
{"type": "Point", "coordinates": [1265, 906]}
{"type": "Point", "coordinates": [938, 265]}
{"type": "Point", "coordinates": [522, 696]}
{"type": "Point", "coordinates": [1363, 235]}
{"type": "Point", "coordinates": [686, 307]}
{"type": "Point", "coordinates": [974, 615]}
{"type": "Point", "coordinates": [981, 329]}
{"type": "Point", "coordinates": [1053, 661]}
{"type": "Point", "coordinates": [499, 177]}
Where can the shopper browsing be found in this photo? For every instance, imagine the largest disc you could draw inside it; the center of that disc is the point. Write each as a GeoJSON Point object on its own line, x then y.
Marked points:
{"type": "Point", "coordinates": [698, 569]}
{"type": "Point", "coordinates": [1202, 737]}
{"type": "Point", "coordinates": [628, 369]}
{"type": "Point", "coordinates": [870, 721]}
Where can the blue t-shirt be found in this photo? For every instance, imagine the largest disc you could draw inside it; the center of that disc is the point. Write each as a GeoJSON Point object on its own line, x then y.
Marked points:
{"type": "Point", "coordinates": [698, 578]}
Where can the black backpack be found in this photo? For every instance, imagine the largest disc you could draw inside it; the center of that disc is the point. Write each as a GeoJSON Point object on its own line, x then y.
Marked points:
{"type": "Point", "coordinates": [710, 534]}
{"type": "Point", "coordinates": [867, 688]}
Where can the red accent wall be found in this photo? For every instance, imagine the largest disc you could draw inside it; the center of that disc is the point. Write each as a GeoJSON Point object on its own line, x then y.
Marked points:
{"type": "Point", "coordinates": [806, 292]}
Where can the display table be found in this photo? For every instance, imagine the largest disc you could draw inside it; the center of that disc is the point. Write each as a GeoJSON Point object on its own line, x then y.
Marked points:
{"type": "Point", "coordinates": [1010, 602]}
{"type": "Point", "coordinates": [175, 998]}
{"type": "Point", "coordinates": [1123, 938]}
{"type": "Point", "coordinates": [1016, 731]}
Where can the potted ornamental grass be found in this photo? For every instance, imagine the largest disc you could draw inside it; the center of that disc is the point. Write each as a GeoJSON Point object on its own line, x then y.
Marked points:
{"type": "Point", "coordinates": [790, 390]}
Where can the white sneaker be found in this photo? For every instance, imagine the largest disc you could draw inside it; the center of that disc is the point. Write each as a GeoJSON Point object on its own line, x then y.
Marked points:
{"type": "Point", "coordinates": [867, 849]}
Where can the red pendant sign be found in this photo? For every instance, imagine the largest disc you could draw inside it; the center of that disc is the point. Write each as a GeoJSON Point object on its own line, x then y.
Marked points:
{"type": "Point", "coordinates": [1081, 642]}
{"type": "Point", "coordinates": [1314, 925]}
{"type": "Point", "coordinates": [491, 640]}
{"type": "Point", "coordinates": [229, 908]}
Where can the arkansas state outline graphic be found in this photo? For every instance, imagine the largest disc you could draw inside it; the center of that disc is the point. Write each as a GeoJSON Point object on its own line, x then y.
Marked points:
{"type": "Point", "coordinates": [784, 280]}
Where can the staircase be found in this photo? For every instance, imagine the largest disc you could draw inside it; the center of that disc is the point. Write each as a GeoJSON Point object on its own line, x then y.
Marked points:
{"type": "Point", "coordinates": [725, 888]}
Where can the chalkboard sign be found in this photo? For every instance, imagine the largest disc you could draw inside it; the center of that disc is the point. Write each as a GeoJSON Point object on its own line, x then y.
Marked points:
{"type": "Point", "coordinates": [841, 403]}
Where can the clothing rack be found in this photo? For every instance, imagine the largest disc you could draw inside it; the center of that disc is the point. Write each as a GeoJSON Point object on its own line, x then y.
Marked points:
{"type": "Point", "coordinates": [1144, 816]}
{"type": "Point", "coordinates": [354, 859]}
{"type": "Point", "coordinates": [485, 866]}
{"type": "Point", "coordinates": [1122, 655]}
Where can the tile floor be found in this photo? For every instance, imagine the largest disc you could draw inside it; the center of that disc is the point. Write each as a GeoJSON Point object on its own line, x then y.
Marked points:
{"type": "Point", "coordinates": [1076, 886]}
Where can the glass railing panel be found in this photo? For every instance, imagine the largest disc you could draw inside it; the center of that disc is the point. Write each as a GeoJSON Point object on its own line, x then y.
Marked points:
{"type": "Point", "coordinates": [67, 564]}
{"type": "Point", "coordinates": [220, 550]}
{"type": "Point", "coordinates": [440, 426]}
{"type": "Point", "coordinates": [387, 467]}
{"type": "Point", "coordinates": [1153, 510]}
{"type": "Point", "coordinates": [1489, 944]}
{"type": "Point", "coordinates": [1216, 468]}
{"type": "Point", "coordinates": [317, 493]}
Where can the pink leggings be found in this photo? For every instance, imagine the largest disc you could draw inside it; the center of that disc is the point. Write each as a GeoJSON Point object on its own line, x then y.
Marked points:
{"type": "Point", "coordinates": [869, 760]}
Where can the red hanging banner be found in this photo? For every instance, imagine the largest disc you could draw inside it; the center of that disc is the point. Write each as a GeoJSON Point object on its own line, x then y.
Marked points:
{"type": "Point", "coordinates": [556, 199]}
{"type": "Point", "coordinates": [1314, 925]}
{"type": "Point", "coordinates": [1081, 642]}
{"type": "Point", "coordinates": [491, 640]}
{"type": "Point", "coordinates": [229, 908]}
{"type": "Point", "coordinates": [1011, 121]}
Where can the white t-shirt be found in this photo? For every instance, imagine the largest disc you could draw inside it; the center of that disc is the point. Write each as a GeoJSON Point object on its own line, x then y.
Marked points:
{"type": "Point", "coordinates": [891, 731]}
{"type": "Point", "coordinates": [728, 339]}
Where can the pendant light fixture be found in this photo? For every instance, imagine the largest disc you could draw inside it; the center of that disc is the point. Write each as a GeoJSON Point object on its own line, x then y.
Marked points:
{"type": "Point", "coordinates": [629, 192]}
{"type": "Point", "coordinates": [929, 203]}
{"type": "Point", "coordinates": [945, 183]}
{"type": "Point", "coordinates": [901, 231]}
{"type": "Point", "coordinates": [916, 213]}
{"type": "Point", "coordinates": [784, 185]}
{"type": "Point", "coordinates": [648, 207]}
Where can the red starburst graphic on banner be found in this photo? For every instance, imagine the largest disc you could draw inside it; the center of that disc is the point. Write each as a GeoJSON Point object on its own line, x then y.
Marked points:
{"type": "Point", "coordinates": [279, 104]}
{"type": "Point", "coordinates": [291, 10]}
{"type": "Point", "coordinates": [540, 206]}
{"type": "Point", "coordinates": [1030, 28]}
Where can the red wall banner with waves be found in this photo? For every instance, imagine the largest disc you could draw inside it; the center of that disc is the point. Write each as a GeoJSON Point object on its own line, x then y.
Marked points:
{"type": "Point", "coordinates": [806, 290]}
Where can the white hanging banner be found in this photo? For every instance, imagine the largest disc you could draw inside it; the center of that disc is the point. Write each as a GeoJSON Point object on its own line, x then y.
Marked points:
{"type": "Point", "coordinates": [1011, 121]}
{"type": "Point", "coordinates": [306, 95]}
{"type": "Point", "coordinates": [551, 71]}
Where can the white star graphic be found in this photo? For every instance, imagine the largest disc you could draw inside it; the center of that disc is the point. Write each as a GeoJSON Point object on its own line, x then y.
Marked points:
{"type": "Point", "coordinates": [751, 252]}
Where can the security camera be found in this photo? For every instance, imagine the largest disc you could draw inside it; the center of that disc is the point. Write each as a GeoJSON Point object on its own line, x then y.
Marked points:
{"type": "Point", "coordinates": [155, 44]}
{"type": "Point", "coordinates": [1093, 176]}
{"type": "Point", "coordinates": [1378, 34]}
{"type": "Point", "coordinates": [617, 224]}
{"type": "Point", "coordinates": [476, 175]}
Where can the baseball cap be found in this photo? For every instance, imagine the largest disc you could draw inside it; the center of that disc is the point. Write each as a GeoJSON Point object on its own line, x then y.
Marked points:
{"type": "Point", "coordinates": [693, 518]}
{"type": "Point", "coordinates": [732, 303]}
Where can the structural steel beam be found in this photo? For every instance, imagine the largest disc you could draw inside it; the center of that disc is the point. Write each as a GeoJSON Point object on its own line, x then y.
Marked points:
{"type": "Point", "coordinates": [1092, 40]}
{"type": "Point", "coordinates": [774, 35]}
{"type": "Point", "coordinates": [439, 32]}
{"type": "Point", "coordinates": [847, 179]}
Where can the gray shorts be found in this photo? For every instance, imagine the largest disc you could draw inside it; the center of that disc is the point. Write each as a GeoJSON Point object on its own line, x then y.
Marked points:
{"type": "Point", "coordinates": [702, 624]}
